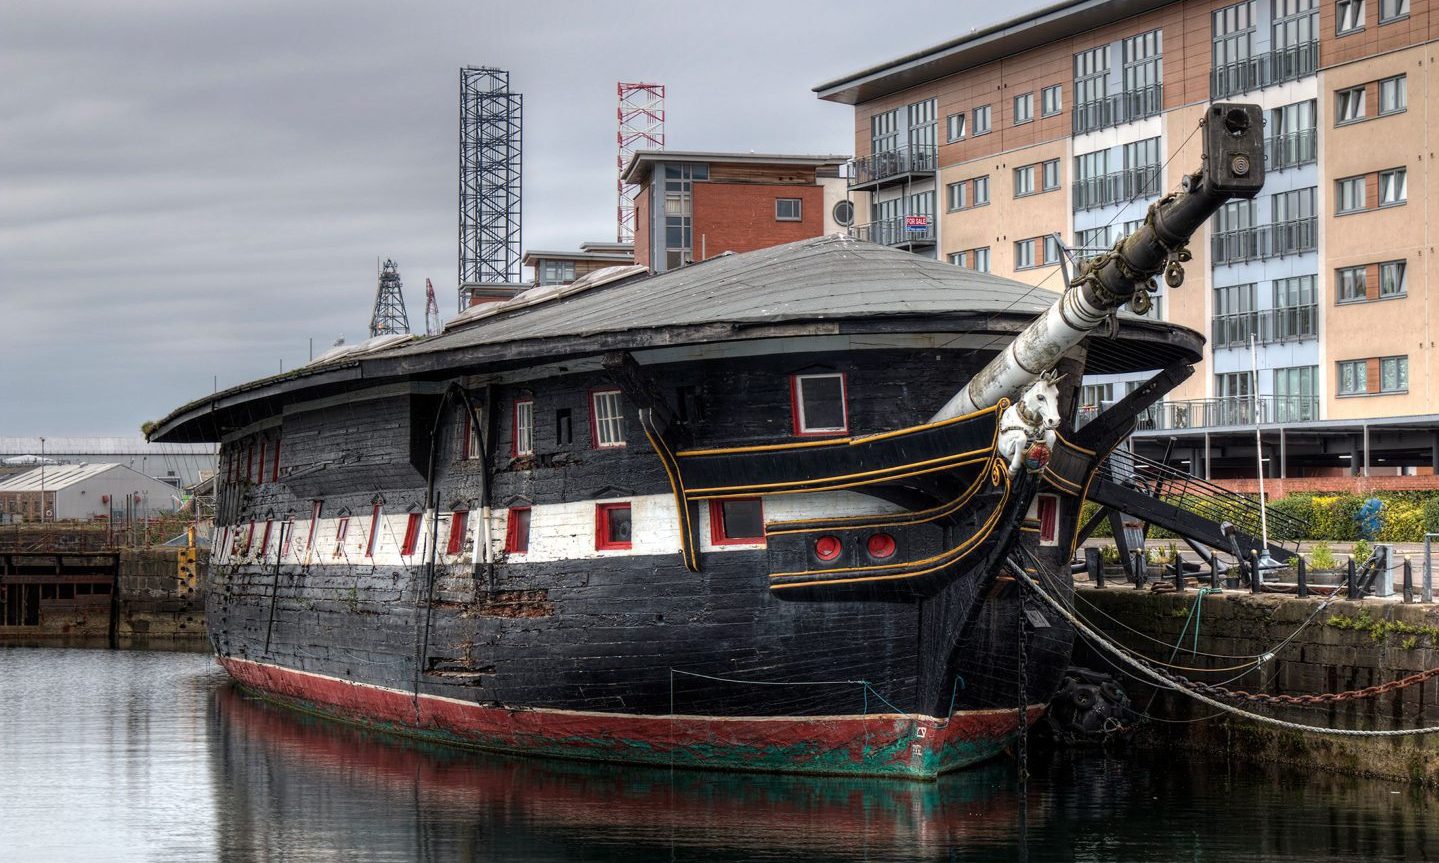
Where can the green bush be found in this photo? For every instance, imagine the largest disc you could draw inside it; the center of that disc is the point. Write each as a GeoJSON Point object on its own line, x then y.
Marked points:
{"type": "Point", "coordinates": [1336, 517]}
{"type": "Point", "coordinates": [1321, 557]}
{"type": "Point", "coordinates": [1430, 510]}
{"type": "Point", "coordinates": [1401, 521]}
{"type": "Point", "coordinates": [1361, 551]}
{"type": "Point", "coordinates": [1298, 506]}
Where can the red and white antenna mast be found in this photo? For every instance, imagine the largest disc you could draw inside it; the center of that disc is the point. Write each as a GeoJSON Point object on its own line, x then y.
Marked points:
{"type": "Point", "coordinates": [432, 310]}
{"type": "Point", "coordinates": [641, 127]}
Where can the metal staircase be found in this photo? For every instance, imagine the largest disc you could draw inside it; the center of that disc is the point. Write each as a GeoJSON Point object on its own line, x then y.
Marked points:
{"type": "Point", "coordinates": [1189, 506]}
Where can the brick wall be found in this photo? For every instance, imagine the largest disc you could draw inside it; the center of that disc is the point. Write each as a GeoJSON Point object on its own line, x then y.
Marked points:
{"type": "Point", "coordinates": [740, 218]}
{"type": "Point", "coordinates": [1277, 488]}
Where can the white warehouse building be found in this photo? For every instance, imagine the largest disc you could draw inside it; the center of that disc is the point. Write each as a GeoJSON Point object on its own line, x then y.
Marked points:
{"type": "Point", "coordinates": [83, 491]}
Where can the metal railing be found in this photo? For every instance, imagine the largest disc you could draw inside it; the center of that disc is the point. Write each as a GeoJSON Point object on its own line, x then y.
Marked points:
{"type": "Point", "coordinates": [1274, 67]}
{"type": "Point", "coordinates": [1268, 326]}
{"type": "Point", "coordinates": [1235, 411]}
{"type": "Point", "coordinates": [1124, 107]}
{"type": "Point", "coordinates": [1201, 497]}
{"type": "Point", "coordinates": [881, 166]}
{"type": "Point", "coordinates": [1265, 241]}
{"type": "Point", "coordinates": [896, 231]}
{"type": "Point", "coordinates": [1291, 149]}
{"type": "Point", "coordinates": [1116, 188]}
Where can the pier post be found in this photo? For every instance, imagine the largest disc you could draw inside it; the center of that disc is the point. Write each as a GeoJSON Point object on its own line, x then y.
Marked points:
{"type": "Point", "coordinates": [1428, 594]}
{"type": "Point", "coordinates": [1350, 582]}
{"type": "Point", "coordinates": [1094, 565]}
{"type": "Point", "coordinates": [1141, 571]}
{"type": "Point", "coordinates": [1408, 580]}
{"type": "Point", "coordinates": [1213, 572]}
{"type": "Point", "coordinates": [1302, 571]}
{"type": "Point", "coordinates": [1256, 578]}
{"type": "Point", "coordinates": [1178, 573]}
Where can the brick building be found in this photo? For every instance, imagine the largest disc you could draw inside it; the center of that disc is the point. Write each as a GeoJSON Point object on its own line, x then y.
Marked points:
{"type": "Point", "coordinates": [693, 205]}
{"type": "Point", "coordinates": [561, 268]}
{"type": "Point", "coordinates": [1048, 136]}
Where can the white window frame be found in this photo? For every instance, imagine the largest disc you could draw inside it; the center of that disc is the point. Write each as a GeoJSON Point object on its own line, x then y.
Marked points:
{"type": "Point", "coordinates": [801, 423]}
{"type": "Point", "coordinates": [607, 427]}
{"type": "Point", "coordinates": [524, 427]}
{"type": "Point", "coordinates": [779, 206]}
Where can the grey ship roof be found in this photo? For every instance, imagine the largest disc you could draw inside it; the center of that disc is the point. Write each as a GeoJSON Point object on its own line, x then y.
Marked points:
{"type": "Point", "coordinates": [827, 285]}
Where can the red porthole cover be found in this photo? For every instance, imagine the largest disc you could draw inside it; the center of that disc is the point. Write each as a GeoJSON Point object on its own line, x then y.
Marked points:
{"type": "Point", "coordinates": [880, 545]}
{"type": "Point", "coordinates": [827, 547]}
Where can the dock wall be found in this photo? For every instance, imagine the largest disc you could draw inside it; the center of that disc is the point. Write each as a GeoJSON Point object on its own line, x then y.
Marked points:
{"type": "Point", "coordinates": [1346, 646]}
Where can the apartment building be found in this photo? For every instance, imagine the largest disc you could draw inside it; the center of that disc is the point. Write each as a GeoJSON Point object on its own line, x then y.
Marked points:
{"type": "Point", "coordinates": [1032, 143]}
{"type": "Point", "coordinates": [562, 267]}
{"type": "Point", "coordinates": [694, 205]}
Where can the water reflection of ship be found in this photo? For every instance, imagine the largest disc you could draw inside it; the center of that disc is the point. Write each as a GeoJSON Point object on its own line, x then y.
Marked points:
{"type": "Point", "coordinates": [283, 775]}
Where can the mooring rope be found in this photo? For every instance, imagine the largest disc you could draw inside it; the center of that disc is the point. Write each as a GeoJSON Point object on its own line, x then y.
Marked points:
{"type": "Point", "coordinates": [1181, 685]}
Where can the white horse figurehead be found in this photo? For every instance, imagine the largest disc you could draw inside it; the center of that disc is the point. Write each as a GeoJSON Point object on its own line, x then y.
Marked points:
{"type": "Point", "coordinates": [1031, 420]}
{"type": "Point", "coordinates": [1039, 403]}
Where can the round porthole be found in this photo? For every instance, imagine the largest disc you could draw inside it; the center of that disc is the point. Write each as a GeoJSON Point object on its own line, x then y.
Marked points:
{"type": "Point", "coordinates": [827, 547]}
{"type": "Point", "coordinates": [880, 546]}
{"type": "Point", "coordinates": [844, 214]}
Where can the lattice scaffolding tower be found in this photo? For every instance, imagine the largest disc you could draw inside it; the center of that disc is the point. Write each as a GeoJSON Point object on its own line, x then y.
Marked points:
{"type": "Point", "coordinates": [490, 163]}
{"type": "Point", "coordinates": [642, 127]}
{"type": "Point", "coordinates": [389, 315]}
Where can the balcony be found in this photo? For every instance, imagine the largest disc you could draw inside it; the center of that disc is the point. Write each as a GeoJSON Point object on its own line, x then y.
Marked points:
{"type": "Point", "coordinates": [1117, 188]}
{"type": "Point", "coordinates": [1229, 411]}
{"type": "Point", "coordinates": [1264, 241]}
{"type": "Point", "coordinates": [903, 232]}
{"type": "Point", "coordinates": [1269, 326]}
{"type": "Point", "coordinates": [1290, 150]}
{"type": "Point", "coordinates": [892, 166]}
{"type": "Point", "coordinates": [1120, 108]}
{"type": "Point", "coordinates": [1255, 73]}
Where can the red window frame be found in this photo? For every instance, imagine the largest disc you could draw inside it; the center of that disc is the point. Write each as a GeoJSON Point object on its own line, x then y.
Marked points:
{"type": "Point", "coordinates": [265, 539]}
{"type": "Point", "coordinates": [340, 530]}
{"type": "Point", "coordinates": [718, 532]}
{"type": "Point", "coordinates": [459, 521]}
{"type": "Point", "coordinates": [275, 468]}
{"type": "Point", "coordinates": [374, 531]}
{"type": "Point", "coordinates": [595, 419]}
{"type": "Point", "coordinates": [249, 540]}
{"type": "Point", "coordinates": [412, 533]}
{"type": "Point", "coordinates": [1048, 511]}
{"type": "Point", "coordinates": [515, 450]}
{"type": "Point", "coordinates": [249, 460]}
{"type": "Point", "coordinates": [517, 541]}
{"type": "Point", "coordinates": [602, 526]}
{"type": "Point", "coordinates": [287, 536]}
{"type": "Point", "coordinates": [796, 405]}
{"type": "Point", "coordinates": [314, 523]}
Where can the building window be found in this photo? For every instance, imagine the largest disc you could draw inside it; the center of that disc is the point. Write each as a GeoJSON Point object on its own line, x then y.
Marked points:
{"type": "Point", "coordinates": [956, 195]}
{"type": "Point", "coordinates": [1348, 16]}
{"type": "Point", "coordinates": [1391, 10]}
{"type": "Point", "coordinates": [1143, 70]}
{"type": "Point", "coordinates": [1353, 377]}
{"type": "Point", "coordinates": [607, 419]}
{"type": "Point", "coordinates": [524, 440]}
{"type": "Point", "coordinates": [981, 259]}
{"type": "Point", "coordinates": [1393, 374]}
{"type": "Point", "coordinates": [1393, 95]}
{"type": "Point", "coordinates": [843, 213]}
{"type": "Point", "coordinates": [1024, 181]}
{"type": "Point", "coordinates": [1352, 283]}
{"type": "Point", "coordinates": [1294, 394]}
{"type": "Point", "coordinates": [787, 209]}
{"type": "Point", "coordinates": [1050, 101]}
{"type": "Point", "coordinates": [374, 536]}
{"type": "Point", "coordinates": [972, 259]}
{"type": "Point", "coordinates": [981, 191]}
{"type": "Point", "coordinates": [517, 530]}
{"type": "Point", "coordinates": [981, 120]}
{"type": "Point", "coordinates": [1091, 76]}
{"type": "Point", "coordinates": [1350, 195]}
{"type": "Point", "coordinates": [315, 506]}
{"type": "Point", "coordinates": [469, 436]}
{"type": "Point", "coordinates": [564, 427]}
{"type": "Point", "coordinates": [412, 533]}
{"type": "Point", "coordinates": [1348, 105]}
{"type": "Point", "coordinates": [679, 211]}
{"type": "Point", "coordinates": [1391, 279]}
{"type": "Point", "coordinates": [459, 520]}
{"type": "Point", "coordinates": [275, 464]}
{"type": "Point", "coordinates": [265, 540]}
{"type": "Point", "coordinates": [818, 404]}
{"type": "Point", "coordinates": [1393, 187]}
{"type": "Point", "coordinates": [737, 522]}
{"type": "Point", "coordinates": [340, 530]}
{"type": "Point", "coordinates": [1051, 249]}
{"type": "Point", "coordinates": [954, 127]}
{"type": "Point", "coordinates": [1024, 254]}
{"type": "Point", "coordinates": [612, 526]}
{"type": "Point", "coordinates": [1051, 175]}
{"type": "Point", "coordinates": [557, 272]}
{"type": "Point", "coordinates": [1023, 108]}
{"type": "Point", "coordinates": [1047, 510]}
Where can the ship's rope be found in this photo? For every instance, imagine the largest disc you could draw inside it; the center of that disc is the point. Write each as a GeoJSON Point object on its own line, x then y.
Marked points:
{"type": "Point", "coordinates": [868, 687]}
{"type": "Point", "coordinates": [1178, 684]}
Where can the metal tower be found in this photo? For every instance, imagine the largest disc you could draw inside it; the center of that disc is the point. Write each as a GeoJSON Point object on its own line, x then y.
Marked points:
{"type": "Point", "coordinates": [389, 315]}
{"type": "Point", "coordinates": [489, 177]}
{"type": "Point", "coordinates": [432, 310]}
{"type": "Point", "coordinates": [642, 127]}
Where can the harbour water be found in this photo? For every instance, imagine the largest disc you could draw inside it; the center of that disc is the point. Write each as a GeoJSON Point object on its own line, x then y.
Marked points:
{"type": "Point", "coordinates": [144, 756]}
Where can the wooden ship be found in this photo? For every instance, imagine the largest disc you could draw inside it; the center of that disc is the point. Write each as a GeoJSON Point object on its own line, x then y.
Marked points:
{"type": "Point", "coordinates": [755, 513]}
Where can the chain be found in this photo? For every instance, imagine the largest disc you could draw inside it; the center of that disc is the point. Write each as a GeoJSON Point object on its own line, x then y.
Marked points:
{"type": "Point", "coordinates": [1023, 676]}
{"type": "Point", "coordinates": [1310, 700]}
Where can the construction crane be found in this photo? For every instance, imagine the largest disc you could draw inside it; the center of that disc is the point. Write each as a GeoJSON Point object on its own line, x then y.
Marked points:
{"type": "Point", "coordinates": [432, 311]}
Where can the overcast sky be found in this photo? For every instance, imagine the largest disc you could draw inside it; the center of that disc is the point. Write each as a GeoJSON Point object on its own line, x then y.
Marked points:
{"type": "Point", "coordinates": [191, 191]}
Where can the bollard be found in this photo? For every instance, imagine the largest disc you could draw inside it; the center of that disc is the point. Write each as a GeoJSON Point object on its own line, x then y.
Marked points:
{"type": "Point", "coordinates": [1256, 579]}
{"type": "Point", "coordinates": [1303, 572]}
{"type": "Point", "coordinates": [1408, 580]}
{"type": "Point", "coordinates": [1094, 565]}
{"type": "Point", "coordinates": [1350, 581]}
{"type": "Point", "coordinates": [1141, 571]}
{"type": "Point", "coordinates": [1178, 574]}
{"type": "Point", "coordinates": [1213, 572]}
{"type": "Point", "coordinates": [1428, 594]}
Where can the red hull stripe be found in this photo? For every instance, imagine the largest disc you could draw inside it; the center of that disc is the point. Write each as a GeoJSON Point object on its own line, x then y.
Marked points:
{"type": "Point", "coordinates": [881, 744]}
